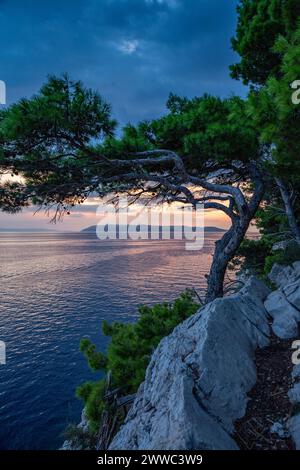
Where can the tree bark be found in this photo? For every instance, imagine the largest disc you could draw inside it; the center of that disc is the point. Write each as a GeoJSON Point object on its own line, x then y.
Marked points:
{"type": "Point", "coordinates": [289, 210]}
{"type": "Point", "coordinates": [224, 252]}
{"type": "Point", "coordinates": [227, 247]}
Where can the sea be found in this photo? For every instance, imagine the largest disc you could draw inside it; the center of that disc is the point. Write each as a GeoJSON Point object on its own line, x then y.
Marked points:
{"type": "Point", "coordinates": [56, 288]}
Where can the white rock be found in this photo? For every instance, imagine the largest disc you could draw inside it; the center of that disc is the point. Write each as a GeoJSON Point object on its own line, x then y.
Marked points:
{"type": "Point", "coordinates": [197, 381]}
{"type": "Point", "coordinates": [280, 245]}
{"type": "Point", "coordinates": [296, 268]}
{"type": "Point", "coordinates": [68, 445]}
{"type": "Point", "coordinates": [294, 394]}
{"type": "Point", "coordinates": [296, 372]}
{"type": "Point", "coordinates": [84, 424]}
{"type": "Point", "coordinates": [295, 430]}
{"type": "Point", "coordinates": [285, 327]}
{"type": "Point", "coordinates": [277, 304]}
{"type": "Point", "coordinates": [292, 293]}
{"type": "Point", "coordinates": [285, 316]}
{"type": "Point", "coordinates": [283, 275]}
{"type": "Point", "coordinates": [279, 429]}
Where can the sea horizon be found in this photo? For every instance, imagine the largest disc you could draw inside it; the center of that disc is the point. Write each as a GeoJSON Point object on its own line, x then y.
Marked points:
{"type": "Point", "coordinates": [58, 288]}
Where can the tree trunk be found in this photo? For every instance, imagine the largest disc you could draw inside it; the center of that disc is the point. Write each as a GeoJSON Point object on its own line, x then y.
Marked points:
{"type": "Point", "coordinates": [289, 210]}
{"type": "Point", "coordinates": [227, 247]}
{"type": "Point", "coordinates": [224, 253]}
{"type": "Point", "coordinates": [215, 279]}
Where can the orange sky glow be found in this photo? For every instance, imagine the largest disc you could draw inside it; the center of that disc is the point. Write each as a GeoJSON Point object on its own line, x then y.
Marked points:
{"type": "Point", "coordinates": [83, 216]}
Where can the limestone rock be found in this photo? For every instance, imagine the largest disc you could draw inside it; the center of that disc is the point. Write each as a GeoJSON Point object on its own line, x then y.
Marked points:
{"type": "Point", "coordinates": [280, 430]}
{"type": "Point", "coordinates": [284, 314]}
{"type": "Point", "coordinates": [296, 372]}
{"type": "Point", "coordinates": [282, 306]}
{"type": "Point", "coordinates": [280, 245]}
{"type": "Point", "coordinates": [197, 381]}
{"type": "Point", "coordinates": [292, 293]}
{"type": "Point", "coordinates": [295, 430]}
{"type": "Point", "coordinates": [283, 275]}
{"type": "Point", "coordinates": [84, 425]}
{"type": "Point", "coordinates": [294, 394]}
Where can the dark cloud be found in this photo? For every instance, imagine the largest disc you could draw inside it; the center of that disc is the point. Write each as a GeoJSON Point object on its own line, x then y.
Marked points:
{"type": "Point", "coordinates": [133, 51]}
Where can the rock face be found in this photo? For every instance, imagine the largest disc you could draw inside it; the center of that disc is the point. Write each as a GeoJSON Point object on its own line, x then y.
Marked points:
{"type": "Point", "coordinates": [282, 276]}
{"type": "Point", "coordinates": [284, 304]}
{"type": "Point", "coordinates": [84, 425]}
{"type": "Point", "coordinates": [285, 316]}
{"type": "Point", "coordinates": [295, 430]}
{"type": "Point", "coordinates": [294, 396]}
{"type": "Point", "coordinates": [197, 381]}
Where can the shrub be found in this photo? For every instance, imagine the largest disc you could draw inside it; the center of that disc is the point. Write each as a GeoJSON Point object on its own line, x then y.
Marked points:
{"type": "Point", "coordinates": [129, 351]}
{"type": "Point", "coordinates": [256, 256]}
{"type": "Point", "coordinates": [284, 257]}
{"type": "Point", "coordinates": [252, 255]}
{"type": "Point", "coordinates": [80, 438]}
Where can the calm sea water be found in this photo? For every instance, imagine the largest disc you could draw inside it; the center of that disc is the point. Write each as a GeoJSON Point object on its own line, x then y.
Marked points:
{"type": "Point", "coordinates": [57, 288]}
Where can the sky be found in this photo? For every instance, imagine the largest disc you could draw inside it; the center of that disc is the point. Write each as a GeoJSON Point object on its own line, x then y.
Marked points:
{"type": "Point", "coordinates": [134, 52]}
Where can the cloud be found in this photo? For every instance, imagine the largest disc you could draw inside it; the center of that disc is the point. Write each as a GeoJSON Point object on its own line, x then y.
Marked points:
{"type": "Point", "coordinates": [127, 46]}
{"type": "Point", "coordinates": [170, 3]}
{"type": "Point", "coordinates": [134, 52]}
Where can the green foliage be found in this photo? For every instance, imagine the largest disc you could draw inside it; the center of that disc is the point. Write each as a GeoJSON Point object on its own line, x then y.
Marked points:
{"type": "Point", "coordinates": [252, 255]}
{"type": "Point", "coordinates": [62, 142]}
{"type": "Point", "coordinates": [92, 393]}
{"type": "Point", "coordinates": [131, 345]}
{"type": "Point", "coordinates": [268, 42]}
{"type": "Point", "coordinates": [48, 140]}
{"type": "Point", "coordinates": [277, 116]}
{"type": "Point", "coordinates": [130, 350]}
{"type": "Point", "coordinates": [66, 126]}
{"type": "Point", "coordinates": [257, 256]}
{"type": "Point", "coordinates": [96, 360]}
{"type": "Point", "coordinates": [260, 23]}
{"type": "Point", "coordinates": [63, 110]}
{"type": "Point", "coordinates": [80, 438]}
{"type": "Point", "coordinates": [271, 220]}
{"type": "Point", "coordinates": [284, 257]}
{"type": "Point", "coordinates": [84, 390]}
{"type": "Point", "coordinates": [202, 130]}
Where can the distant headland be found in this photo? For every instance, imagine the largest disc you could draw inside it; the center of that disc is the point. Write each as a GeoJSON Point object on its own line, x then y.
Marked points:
{"type": "Point", "coordinates": [93, 228]}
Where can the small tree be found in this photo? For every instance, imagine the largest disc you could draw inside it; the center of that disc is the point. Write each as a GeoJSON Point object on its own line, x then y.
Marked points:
{"type": "Point", "coordinates": [204, 150]}
{"type": "Point", "coordinates": [267, 40]}
{"type": "Point", "coordinates": [260, 23]}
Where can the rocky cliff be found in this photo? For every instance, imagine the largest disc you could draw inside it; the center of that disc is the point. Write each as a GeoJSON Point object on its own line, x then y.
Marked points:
{"type": "Point", "coordinates": [199, 377]}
